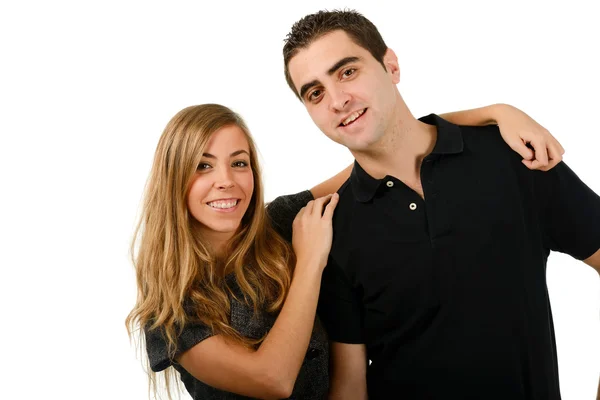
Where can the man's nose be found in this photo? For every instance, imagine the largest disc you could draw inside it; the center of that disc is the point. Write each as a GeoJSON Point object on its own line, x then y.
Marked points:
{"type": "Point", "coordinates": [339, 99]}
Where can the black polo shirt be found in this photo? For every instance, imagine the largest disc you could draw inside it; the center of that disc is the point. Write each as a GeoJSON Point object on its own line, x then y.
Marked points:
{"type": "Point", "coordinates": [449, 293]}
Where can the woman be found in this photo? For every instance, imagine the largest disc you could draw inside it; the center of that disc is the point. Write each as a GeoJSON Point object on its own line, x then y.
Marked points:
{"type": "Point", "coordinates": [212, 274]}
{"type": "Point", "coordinates": [221, 296]}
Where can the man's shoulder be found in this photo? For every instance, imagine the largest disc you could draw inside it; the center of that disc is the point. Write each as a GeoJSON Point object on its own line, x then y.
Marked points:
{"type": "Point", "coordinates": [346, 203]}
{"type": "Point", "coordinates": [486, 144]}
{"type": "Point", "coordinates": [485, 133]}
{"type": "Point", "coordinates": [344, 224]}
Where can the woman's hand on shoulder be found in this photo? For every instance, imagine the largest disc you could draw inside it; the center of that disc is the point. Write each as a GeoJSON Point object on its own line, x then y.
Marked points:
{"type": "Point", "coordinates": [313, 231]}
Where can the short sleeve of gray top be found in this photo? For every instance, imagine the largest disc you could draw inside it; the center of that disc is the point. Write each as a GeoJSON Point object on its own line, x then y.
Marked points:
{"type": "Point", "coordinates": [313, 379]}
{"type": "Point", "coordinates": [283, 210]}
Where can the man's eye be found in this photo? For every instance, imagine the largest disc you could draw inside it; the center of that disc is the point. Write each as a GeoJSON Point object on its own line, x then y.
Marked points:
{"type": "Point", "coordinates": [314, 94]}
{"type": "Point", "coordinates": [349, 71]}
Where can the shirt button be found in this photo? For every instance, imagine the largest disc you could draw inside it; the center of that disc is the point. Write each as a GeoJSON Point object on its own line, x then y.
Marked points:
{"type": "Point", "coordinates": [313, 353]}
{"type": "Point", "coordinates": [389, 183]}
{"type": "Point", "coordinates": [412, 206]}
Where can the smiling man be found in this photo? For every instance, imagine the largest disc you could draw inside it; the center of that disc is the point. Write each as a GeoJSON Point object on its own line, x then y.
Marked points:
{"type": "Point", "coordinates": [436, 281]}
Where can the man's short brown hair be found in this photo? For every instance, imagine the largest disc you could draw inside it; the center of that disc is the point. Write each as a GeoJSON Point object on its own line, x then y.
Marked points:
{"type": "Point", "coordinates": [310, 28]}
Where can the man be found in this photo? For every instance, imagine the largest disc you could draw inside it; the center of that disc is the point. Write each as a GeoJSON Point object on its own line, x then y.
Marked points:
{"type": "Point", "coordinates": [435, 286]}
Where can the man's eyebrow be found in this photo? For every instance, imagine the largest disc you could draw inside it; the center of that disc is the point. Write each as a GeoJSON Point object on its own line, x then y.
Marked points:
{"type": "Point", "coordinates": [235, 153]}
{"type": "Point", "coordinates": [341, 63]}
{"type": "Point", "coordinates": [307, 86]}
{"type": "Point", "coordinates": [330, 71]}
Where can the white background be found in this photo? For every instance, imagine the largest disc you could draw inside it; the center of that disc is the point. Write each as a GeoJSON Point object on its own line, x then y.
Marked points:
{"type": "Point", "coordinates": [87, 87]}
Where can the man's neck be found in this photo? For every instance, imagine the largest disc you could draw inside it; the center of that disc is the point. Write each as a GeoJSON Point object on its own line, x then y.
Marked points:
{"type": "Point", "coordinates": [401, 150]}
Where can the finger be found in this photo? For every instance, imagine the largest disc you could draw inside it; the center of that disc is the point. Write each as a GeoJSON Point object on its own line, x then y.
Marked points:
{"type": "Point", "coordinates": [331, 206]}
{"type": "Point", "coordinates": [521, 148]}
{"type": "Point", "coordinates": [528, 164]}
{"type": "Point", "coordinates": [554, 156]}
{"type": "Point", "coordinates": [541, 151]}
{"type": "Point", "coordinates": [532, 164]}
{"type": "Point", "coordinates": [305, 210]}
{"type": "Point", "coordinates": [309, 207]}
{"type": "Point", "coordinates": [300, 214]}
{"type": "Point", "coordinates": [557, 145]}
{"type": "Point", "coordinates": [535, 165]}
{"type": "Point", "coordinates": [320, 205]}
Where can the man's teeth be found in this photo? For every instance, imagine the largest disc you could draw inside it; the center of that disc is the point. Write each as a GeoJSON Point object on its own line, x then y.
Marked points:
{"type": "Point", "coordinates": [353, 116]}
{"type": "Point", "coordinates": [223, 203]}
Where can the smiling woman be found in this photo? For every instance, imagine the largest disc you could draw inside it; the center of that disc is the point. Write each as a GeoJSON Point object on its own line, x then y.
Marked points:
{"type": "Point", "coordinates": [222, 187]}
{"type": "Point", "coordinates": [218, 299]}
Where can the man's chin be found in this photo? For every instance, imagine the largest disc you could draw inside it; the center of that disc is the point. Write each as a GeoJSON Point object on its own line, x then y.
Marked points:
{"type": "Point", "coordinates": [358, 145]}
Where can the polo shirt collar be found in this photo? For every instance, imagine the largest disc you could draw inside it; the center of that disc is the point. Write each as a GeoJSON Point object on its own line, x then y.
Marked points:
{"type": "Point", "coordinates": [449, 141]}
{"type": "Point", "coordinates": [449, 138]}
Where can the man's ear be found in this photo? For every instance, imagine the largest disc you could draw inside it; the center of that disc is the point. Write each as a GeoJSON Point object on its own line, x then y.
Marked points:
{"type": "Point", "coordinates": [391, 64]}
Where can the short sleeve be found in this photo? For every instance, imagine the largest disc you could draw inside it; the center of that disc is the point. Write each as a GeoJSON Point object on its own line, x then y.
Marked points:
{"type": "Point", "coordinates": [570, 214]}
{"type": "Point", "coordinates": [156, 344]}
{"type": "Point", "coordinates": [283, 210]}
{"type": "Point", "coordinates": [339, 306]}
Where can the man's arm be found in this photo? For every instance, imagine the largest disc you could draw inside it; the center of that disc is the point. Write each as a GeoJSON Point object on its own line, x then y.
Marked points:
{"type": "Point", "coordinates": [594, 261]}
{"type": "Point", "coordinates": [348, 371]}
{"type": "Point", "coordinates": [340, 312]}
{"type": "Point", "coordinates": [518, 130]}
{"type": "Point", "coordinates": [570, 216]}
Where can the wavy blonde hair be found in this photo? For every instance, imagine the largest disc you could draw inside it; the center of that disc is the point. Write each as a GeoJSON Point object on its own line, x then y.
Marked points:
{"type": "Point", "coordinates": [176, 268]}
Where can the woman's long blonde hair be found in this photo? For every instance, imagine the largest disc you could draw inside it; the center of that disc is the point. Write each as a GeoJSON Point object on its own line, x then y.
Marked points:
{"type": "Point", "coordinates": [175, 268]}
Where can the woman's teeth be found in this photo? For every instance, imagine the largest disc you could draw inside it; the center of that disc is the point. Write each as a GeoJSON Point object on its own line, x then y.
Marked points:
{"type": "Point", "coordinates": [223, 203]}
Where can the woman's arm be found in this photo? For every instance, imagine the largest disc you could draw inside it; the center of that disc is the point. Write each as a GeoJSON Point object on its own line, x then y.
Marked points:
{"type": "Point", "coordinates": [332, 184]}
{"type": "Point", "coordinates": [271, 370]}
{"type": "Point", "coordinates": [518, 130]}
{"type": "Point", "coordinates": [474, 117]}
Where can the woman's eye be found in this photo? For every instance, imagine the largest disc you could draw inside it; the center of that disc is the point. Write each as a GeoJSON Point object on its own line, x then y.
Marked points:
{"type": "Point", "coordinates": [240, 164]}
{"type": "Point", "coordinates": [203, 166]}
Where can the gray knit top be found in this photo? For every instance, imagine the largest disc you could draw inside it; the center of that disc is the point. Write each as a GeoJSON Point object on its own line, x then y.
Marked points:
{"type": "Point", "coordinates": [313, 379]}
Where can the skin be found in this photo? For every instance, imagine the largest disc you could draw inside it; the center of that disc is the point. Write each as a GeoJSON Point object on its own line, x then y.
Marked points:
{"type": "Point", "coordinates": [332, 92]}
{"type": "Point", "coordinates": [269, 372]}
{"type": "Point", "coordinates": [343, 79]}
{"type": "Point", "coordinates": [355, 102]}
{"type": "Point", "coordinates": [223, 178]}
{"type": "Point", "coordinates": [594, 261]}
